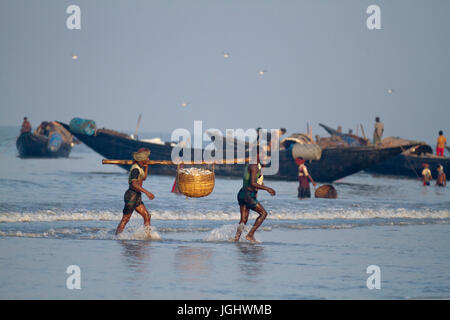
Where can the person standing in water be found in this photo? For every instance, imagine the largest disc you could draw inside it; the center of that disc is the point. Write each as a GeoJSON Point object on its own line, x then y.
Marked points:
{"type": "Point", "coordinates": [441, 179]}
{"type": "Point", "coordinates": [133, 200]}
{"type": "Point", "coordinates": [252, 182]}
{"type": "Point", "coordinates": [303, 179]}
{"type": "Point", "coordinates": [426, 175]}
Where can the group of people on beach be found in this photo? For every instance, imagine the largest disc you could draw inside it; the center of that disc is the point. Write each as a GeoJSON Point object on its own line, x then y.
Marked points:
{"type": "Point", "coordinates": [252, 182]}
{"type": "Point", "coordinates": [246, 197]}
{"type": "Point", "coordinates": [441, 179]}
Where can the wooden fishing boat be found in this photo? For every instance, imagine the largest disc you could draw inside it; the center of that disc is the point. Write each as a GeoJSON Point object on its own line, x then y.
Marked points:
{"type": "Point", "coordinates": [411, 166]}
{"type": "Point", "coordinates": [410, 163]}
{"type": "Point", "coordinates": [49, 140]}
{"type": "Point", "coordinates": [334, 164]}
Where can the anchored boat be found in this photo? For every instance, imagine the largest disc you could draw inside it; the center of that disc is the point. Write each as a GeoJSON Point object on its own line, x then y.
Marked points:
{"type": "Point", "coordinates": [410, 162]}
{"type": "Point", "coordinates": [49, 140]}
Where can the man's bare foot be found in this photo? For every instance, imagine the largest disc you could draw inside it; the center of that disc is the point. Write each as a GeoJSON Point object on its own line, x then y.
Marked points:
{"type": "Point", "coordinates": [252, 239]}
{"type": "Point", "coordinates": [238, 232]}
{"type": "Point", "coordinates": [237, 236]}
{"type": "Point", "coordinates": [148, 233]}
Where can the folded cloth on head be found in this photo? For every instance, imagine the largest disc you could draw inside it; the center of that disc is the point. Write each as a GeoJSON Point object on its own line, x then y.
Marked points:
{"type": "Point", "coordinates": [141, 155]}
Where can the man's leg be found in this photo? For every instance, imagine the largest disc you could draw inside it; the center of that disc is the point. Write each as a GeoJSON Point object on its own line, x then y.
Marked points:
{"type": "Point", "coordinates": [123, 223]}
{"type": "Point", "coordinates": [142, 210]}
{"type": "Point", "coordinates": [262, 216]}
{"type": "Point", "coordinates": [244, 218]}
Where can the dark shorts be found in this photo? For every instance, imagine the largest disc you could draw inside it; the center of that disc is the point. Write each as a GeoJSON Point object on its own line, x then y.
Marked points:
{"type": "Point", "coordinates": [247, 198]}
{"type": "Point", "coordinates": [304, 192]}
{"type": "Point", "coordinates": [132, 200]}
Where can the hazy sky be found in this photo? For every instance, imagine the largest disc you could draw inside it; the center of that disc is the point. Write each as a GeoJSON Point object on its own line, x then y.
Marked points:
{"type": "Point", "coordinates": [148, 57]}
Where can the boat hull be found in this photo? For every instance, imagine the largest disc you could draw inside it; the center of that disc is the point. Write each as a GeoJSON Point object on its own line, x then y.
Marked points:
{"type": "Point", "coordinates": [410, 166]}
{"type": "Point", "coordinates": [30, 145]}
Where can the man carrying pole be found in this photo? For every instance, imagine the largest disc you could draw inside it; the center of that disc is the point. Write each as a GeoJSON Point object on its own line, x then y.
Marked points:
{"type": "Point", "coordinates": [133, 201]}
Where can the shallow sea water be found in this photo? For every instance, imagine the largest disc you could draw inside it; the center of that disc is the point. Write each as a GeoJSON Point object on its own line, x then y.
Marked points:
{"type": "Point", "coordinates": [60, 212]}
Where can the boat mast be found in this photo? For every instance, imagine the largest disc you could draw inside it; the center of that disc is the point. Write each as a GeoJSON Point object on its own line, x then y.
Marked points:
{"type": "Point", "coordinates": [137, 127]}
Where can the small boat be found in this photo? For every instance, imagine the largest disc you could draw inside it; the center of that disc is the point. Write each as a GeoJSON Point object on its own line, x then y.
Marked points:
{"type": "Point", "coordinates": [334, 163]}
{"type": "Point", "coordinates": [49, 140]}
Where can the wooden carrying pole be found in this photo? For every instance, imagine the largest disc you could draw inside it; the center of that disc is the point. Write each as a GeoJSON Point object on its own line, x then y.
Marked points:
{"type": "Point", "coordinates": [169, 162]}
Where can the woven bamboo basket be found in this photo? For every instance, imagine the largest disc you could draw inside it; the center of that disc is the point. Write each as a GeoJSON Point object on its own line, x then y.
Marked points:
{"type": "Point", "coordinates": [326, 191]}
{"type": "Point", "coordinates": [194, 186]}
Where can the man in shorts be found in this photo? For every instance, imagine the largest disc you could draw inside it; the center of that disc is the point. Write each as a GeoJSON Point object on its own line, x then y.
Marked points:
{"type": "Point", "coordinates": [133, 200]}
{"type": "Point", "coordinates": [252, 182]}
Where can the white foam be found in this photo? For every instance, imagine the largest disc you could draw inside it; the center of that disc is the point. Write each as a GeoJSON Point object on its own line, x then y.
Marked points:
{"type": "Point", "coordinates": [24, 234]}
{"type": "Point", "coordinates": [49, 216]}
{"type": "Point", "coordinates": [329, 214]}
{"type": "Point", "coordinates": [226, 233]}
{"type": "Point", "coordinates": [138, 233]}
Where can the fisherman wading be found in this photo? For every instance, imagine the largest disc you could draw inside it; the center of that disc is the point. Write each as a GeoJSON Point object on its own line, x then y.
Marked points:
{"type": "Point", "coordinates": [246, 197]}
{"type": "Point", "coordinates": [132, 197]}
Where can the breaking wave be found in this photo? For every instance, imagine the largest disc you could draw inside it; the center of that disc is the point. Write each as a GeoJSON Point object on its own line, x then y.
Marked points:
{"type": "Point", "coordinates": [341, 214]}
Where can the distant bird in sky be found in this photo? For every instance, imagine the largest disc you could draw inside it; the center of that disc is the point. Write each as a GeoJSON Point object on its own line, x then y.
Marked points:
{"type": "Point", "coordinates": [185, 104]}
{"type": "Point", "coordinates": [226, 55]}
{"type": "Point", "coordinates": [261, 72]}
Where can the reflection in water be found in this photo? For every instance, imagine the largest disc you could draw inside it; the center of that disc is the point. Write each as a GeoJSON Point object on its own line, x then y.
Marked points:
{"type": "Point", "coordinates": [364, 189]}
{"type": "Point", "coordinates": [137, 260]}
{"type": "Point", "coordinates": [136, 254]}
{"type": "Point", "coordinates": [193, 264]}
{"type": "Point", "coordinates": [251, 260]}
